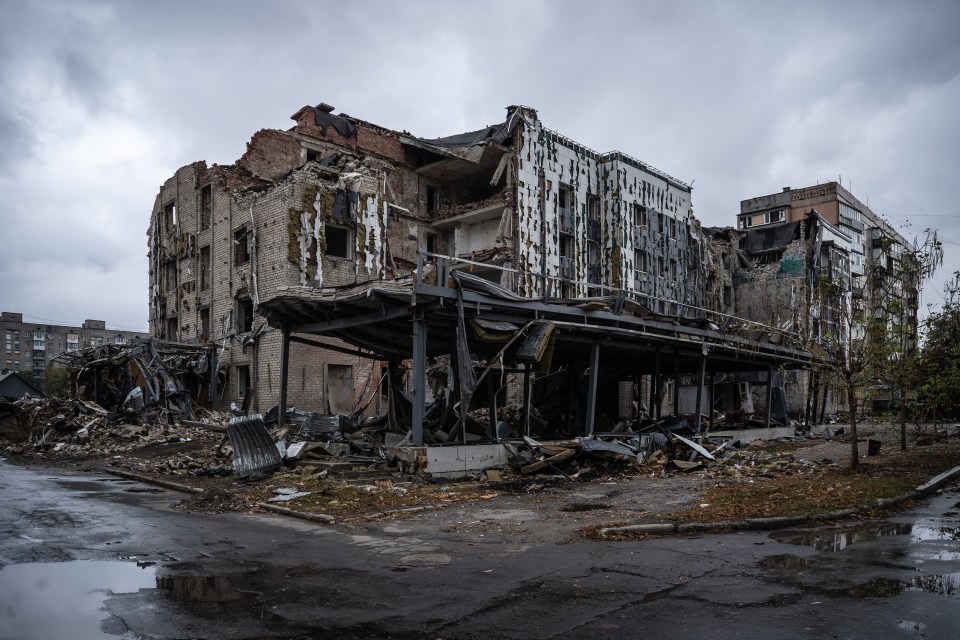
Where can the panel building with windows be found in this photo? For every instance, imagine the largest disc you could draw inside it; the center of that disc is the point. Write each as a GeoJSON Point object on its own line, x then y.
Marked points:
{"type": "Point", "coordinates": [875, 249]}
{"type": "Point", "coordinates": [28, 347]}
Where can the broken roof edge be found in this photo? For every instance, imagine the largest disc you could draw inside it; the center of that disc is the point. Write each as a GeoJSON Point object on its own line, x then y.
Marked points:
{"type": "Point", "coordinates": [610, 156]}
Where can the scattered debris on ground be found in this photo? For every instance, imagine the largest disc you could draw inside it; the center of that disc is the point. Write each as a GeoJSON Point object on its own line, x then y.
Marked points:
{"type": "Point", "coordinates": [339, 465]}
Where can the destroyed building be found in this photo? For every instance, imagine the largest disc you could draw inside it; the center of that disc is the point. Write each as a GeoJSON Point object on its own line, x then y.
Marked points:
{"type": "Point", "coordinates": [798, 239]}
{"type": "Point", "coordinates": [336, 201]}
{"type": "Point", "coordinates": [29, 347]}
{"type": "Point", "coordinates": [305, 264]}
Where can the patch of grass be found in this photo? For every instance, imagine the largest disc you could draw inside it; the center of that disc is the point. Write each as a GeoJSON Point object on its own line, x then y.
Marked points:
{"type": "Point", "coordinates": [792, 496]}
{"type": "Point", "coordinates": [888, 476]}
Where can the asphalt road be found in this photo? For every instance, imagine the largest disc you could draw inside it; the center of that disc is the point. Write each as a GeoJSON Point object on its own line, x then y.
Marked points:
{"type": "Point", "coordinates": [94, 556]}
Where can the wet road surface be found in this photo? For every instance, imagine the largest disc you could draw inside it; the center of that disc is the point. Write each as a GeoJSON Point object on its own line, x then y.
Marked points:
{"type": "Point", "coordinates": [90, 556]}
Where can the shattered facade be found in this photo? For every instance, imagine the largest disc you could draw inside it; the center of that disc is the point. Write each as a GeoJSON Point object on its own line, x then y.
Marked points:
{"type": "Point", "coordinates": [336, 201]}
{"type": "Point", "coordinates": [873, 249]}
{"type": "Point", "coordinates": [798, 240]}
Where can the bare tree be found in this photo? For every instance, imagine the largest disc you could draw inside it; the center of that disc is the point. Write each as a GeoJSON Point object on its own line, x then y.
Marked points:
{"type": "Point", "coordinates": [864, 346]}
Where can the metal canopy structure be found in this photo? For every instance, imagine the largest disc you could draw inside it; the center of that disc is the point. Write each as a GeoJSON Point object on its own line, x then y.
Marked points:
{"type": "Point", "coordinates": [419, 318]}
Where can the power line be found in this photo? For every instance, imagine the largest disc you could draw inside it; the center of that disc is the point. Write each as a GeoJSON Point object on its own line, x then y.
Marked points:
{"type": "Point", "coordinates": [68, 323]}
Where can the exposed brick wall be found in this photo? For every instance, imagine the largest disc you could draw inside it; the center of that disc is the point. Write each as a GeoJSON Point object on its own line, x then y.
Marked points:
{"type": "Point", "coordinates": [265, 214]}
{"type": "Point", "coordinates": [272, 154]}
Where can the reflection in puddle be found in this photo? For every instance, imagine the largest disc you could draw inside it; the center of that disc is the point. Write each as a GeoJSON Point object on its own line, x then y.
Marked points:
{"type": "Point", "coordinates": [947, 584]}
{"type": "Point", "coordinates": [784, 562]}
{"type": "Point", "coordinates": [839, 539]}
{"type": "Point", "coordinates": [930, 530]}
{"type": "Point", "coordinates": [939, 585]}
{"type": "Point", "coordinates": [202, 589]}
{"type": "Point", "coordinates": [910, 625]}
{"type": "Point", "coordinates": [64, 599]}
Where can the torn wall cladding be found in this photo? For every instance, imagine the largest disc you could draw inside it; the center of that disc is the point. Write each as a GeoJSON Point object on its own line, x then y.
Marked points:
{"type": "Point", "coordinates": [336, 201]}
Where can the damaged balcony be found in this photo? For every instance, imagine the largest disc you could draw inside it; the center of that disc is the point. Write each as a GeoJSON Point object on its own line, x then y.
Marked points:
{"type": "Point", "coordinates": [468, 183]}
{"type": "Point", "coordinates": [468, 342]}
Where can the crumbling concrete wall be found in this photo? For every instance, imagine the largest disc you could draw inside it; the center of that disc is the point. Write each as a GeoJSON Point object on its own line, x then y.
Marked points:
{"type": "Point", "coordinates": [777, 293]}
{"type": "Point", "coordinates": [222, 239]}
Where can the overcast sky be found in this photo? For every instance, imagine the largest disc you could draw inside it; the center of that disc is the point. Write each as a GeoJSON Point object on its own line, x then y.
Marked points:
{"type": "Point", "coordinates": [100, 102]}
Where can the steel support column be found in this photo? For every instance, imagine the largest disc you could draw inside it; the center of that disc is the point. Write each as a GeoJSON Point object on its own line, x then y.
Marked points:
{"type": "Point", "coordinates": [713, 397]}
{"type": "Point", "coordinates": [419, 375]}
{"type": "Point", "coordinates": [284, 371]}
{"type": "Point", "coordinates": [766, 417]}
{"type": "Point", "coordinates": [701, 378]}
{"type": "Point", "coordinates": [676, 382]}
{"type": "Point", "coordinates": [592, 389]}
{"type": "Point", "coordinates": [655, 387]}
{"type": "Point", "coordinates": [526, 399]}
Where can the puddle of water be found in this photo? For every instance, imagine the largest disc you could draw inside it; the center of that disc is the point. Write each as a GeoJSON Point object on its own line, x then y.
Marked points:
{"type": "Point", "coordinates": [784, 561]}
{"type": "Point", "coordinates": [577, 507]}
{"type": "Point", "coordinates": [931, 530]}
{"type": "Point", "coordinates": [202, 589]}
{"type": "Point", "coordinates": [945, 584]}
{"type": "Point", "coordinates": [839, 539]}
{"type": "Point", "coordinates": [425, 559]}
{"type": "Point", "coordinates": [910, 625]}
{"type": "Point", "coordinates": [39, 601]}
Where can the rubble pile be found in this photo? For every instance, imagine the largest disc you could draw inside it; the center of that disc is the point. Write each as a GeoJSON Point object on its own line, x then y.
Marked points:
{"type": "Point", "coordinates": [344, 447]}
{"type": "Point", "coordinates": [57, 428]}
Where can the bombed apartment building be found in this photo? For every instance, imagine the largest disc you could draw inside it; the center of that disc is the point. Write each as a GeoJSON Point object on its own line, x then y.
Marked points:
{"type": "Point", "coordinates": [574, 222]}
{"type": "Point", "coordinates": [301, 207]}
{"type": "Point", "coordinates": [798, 241]}
{"type": "Point", "coordinates": [350, 269]}
{"type": "Point", "coordinates": [336, 201]}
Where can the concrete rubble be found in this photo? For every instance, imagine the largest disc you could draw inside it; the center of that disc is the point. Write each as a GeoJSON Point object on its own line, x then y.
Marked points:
{"type": "Point", "coordinates": [73, 429]}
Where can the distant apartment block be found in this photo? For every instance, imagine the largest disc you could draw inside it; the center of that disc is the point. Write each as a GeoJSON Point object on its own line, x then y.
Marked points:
{"type": "Point", "coordinates": [28, 347]}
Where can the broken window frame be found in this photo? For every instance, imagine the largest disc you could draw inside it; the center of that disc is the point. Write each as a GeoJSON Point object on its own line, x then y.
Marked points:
{"type": "Point", "coordinates": [206, 207]}
{"type": "Point", "coordinates": [593, 208]}
{"type": "Point", "coordinates": [433, 198]}
{"type": "Point", "coordinates": [641, 261]}
{"type": "Point", "coordinates": [205, 268]}
{"type": "Point", "coordinates": [242, 376]}
{"type": "Point", "coordinates": [773, 217]}
{"type": "Point", "coordinates": [640, 217]}
{"type": "Point", "coordinates": [203, 328]}
{"type": "Point", "coordinates": [241, 246]}
{"type": "Point", "coordinates": [169, 217]}
{"type": "Point", "coordinates": [244, 315]}
{"type": "Point", "coordinates": [349, 241]}
{"type": "Point", "coordinates": [170, 275]}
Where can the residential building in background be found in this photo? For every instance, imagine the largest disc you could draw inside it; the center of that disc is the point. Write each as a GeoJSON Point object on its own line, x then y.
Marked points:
{"type": "Point", "coordinates": [800, 238]}
{"type": "Point", "coordinates": [874, 249]}
{"type": "Point", "coordinates": [28, 347]}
